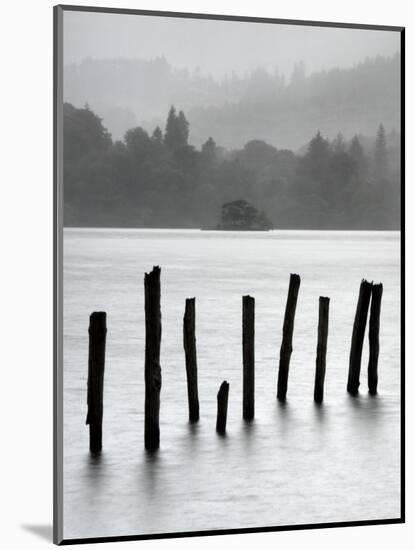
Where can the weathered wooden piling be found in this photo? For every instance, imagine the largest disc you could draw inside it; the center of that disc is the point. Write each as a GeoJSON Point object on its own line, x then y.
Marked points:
{"type": "Point", "coordinates": [152, 369]}
{"type": "Point", "coordinates": [96, 366]}
{"type": "Point", "coordinates": [287, 336]}
{"type": "Point", "coordinates": [374, 322]}
{"type": "Point", "coordinates": [223, 394]}
{"type": "Point", "coordinates": [322, 334]}
{"type": "Point", "coordinates": [359, 327]}
{"type": "Point", "coordinates": [189, 343]}
{"type": "Point", "coordinates": [248, 356]}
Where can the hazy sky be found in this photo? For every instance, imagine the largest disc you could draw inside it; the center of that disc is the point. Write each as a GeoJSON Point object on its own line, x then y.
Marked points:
{"type": "Point", "coordinates": [219, 47]}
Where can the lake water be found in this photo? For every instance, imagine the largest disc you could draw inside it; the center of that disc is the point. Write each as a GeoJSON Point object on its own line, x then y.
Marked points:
{"type": "Point", "coordinates": [294, 464]}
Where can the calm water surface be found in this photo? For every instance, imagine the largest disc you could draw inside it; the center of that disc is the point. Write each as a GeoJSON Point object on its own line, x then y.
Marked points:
{"type": "Point", "coordinates": [294, 464]}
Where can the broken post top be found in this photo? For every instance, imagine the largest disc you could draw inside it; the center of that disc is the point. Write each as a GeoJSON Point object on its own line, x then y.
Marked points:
{"type": "Point", "coordinates": [291, 304]}
{"type": "Point", "coordinates": [98, 321]}
{"type": "Point", "coordinates": [152, 294]}
{"type": "Point", "coordinates": [293, 289]}
{"type": "Point", "coordinates": [189, 319]}
{"type": "Point", "coordinates": [154, 275]}
{"type": "Point", "coordinates": [190, 305]}
{"type": "Point", "coordinates": [98, 316]}
{"type": "Point", "coordinates": [375, 287]}
{"type": "Point", "coordinates": [324, 303]}
{"type": "Point", "coordinates": [223, 387]}
{"type": "Point", "coordinates": [377, 291]}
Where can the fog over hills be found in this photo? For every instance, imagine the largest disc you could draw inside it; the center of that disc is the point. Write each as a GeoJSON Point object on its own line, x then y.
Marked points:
{"type": "Point", "coordinates": [167, 120]}
{"type": "Point", "coordinates": [261, 104]}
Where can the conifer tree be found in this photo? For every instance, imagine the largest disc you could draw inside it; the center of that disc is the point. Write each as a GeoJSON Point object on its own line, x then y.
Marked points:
{"type": "Point", "coordinates": [157, 136]}
{"type": "Point", "coordinates": [170, 135]}
{"type": "Point", "coordinates": [380, 158]}
{"type": "Point", "coordinates": [177, 130]}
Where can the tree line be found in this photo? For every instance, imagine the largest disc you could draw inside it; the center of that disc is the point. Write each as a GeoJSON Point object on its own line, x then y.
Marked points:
{"type": "Point", "coordinates": [159, 179]}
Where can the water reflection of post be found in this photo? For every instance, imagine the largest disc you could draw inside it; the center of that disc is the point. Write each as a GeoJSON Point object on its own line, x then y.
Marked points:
{"type": "Point", "coordinates": [150, 473]}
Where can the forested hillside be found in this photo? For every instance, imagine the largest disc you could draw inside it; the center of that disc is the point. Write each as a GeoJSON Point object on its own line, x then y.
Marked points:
{"type": "Point", "coordinates": [158, 179]}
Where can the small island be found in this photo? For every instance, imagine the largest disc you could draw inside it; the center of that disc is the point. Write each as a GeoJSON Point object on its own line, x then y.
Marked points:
{"type": "Point", "coordinates": [239, 215]}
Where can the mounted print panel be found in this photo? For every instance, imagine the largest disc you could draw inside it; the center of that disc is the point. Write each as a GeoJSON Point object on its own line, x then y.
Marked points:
{"type": "Point", "coordinates": [229, 274]}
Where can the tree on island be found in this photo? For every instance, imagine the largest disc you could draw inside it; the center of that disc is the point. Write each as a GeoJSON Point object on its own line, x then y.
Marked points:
{"type": "Point", "coordinates": [240, 215]}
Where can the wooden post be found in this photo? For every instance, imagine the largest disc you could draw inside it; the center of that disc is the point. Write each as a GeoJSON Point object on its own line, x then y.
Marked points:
{"type": "Point", "coordinates": [96, 366]}
{"type": "Point", "coordinates": [189, 343]}
{"type": "Point", "coordinates": [152, 369]}
{"type": "Point", "coordinates": [287, 336]}
{"type": "Point", "coordinates": [223, 394]}
{"type": "Point", "coordinates": [359, 327]}
{"type": "Point", "coordinates": [323, 330]}
{"type": "Point", "coordinates": [372, 371]}
{"type": "Point", "coordinates": [248, 355]}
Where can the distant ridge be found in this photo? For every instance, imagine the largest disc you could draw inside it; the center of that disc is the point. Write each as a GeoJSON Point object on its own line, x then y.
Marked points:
{"type": "Point", "coordinates": [235, 110]}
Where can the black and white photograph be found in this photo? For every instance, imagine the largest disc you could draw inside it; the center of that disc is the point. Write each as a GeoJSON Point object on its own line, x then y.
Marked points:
{"type": "Point", "coordinates": [229, 285]}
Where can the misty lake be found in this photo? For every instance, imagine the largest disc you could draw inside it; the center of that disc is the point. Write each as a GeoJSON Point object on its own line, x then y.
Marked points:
{"type": "Point", "coordinates": [296, 463]}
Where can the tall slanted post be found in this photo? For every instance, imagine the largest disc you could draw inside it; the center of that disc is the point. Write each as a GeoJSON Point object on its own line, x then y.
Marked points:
{"type": "Point", "coordinates": [189, 343]}
{"type": "Point", "coordinates": [96, 366]}
{"type": "Point", "coordinates": [374, 322]}
{"type": "Point", "coordinates": [358, 335]}
{"type": "Point", "coordinates": [248, 356]}
{"type": "Point", "coordinates": [152, 369]}
{"type": "Point", "coordinates": [323, 331]}
{"type": "Point", "coordinates": [222, 414]}
{"type": "Point", "coordinates": [287, 336]}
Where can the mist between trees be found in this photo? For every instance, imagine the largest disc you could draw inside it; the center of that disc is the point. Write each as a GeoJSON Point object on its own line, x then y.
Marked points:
{"type": "Point", "coordinates": [159, 180]}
